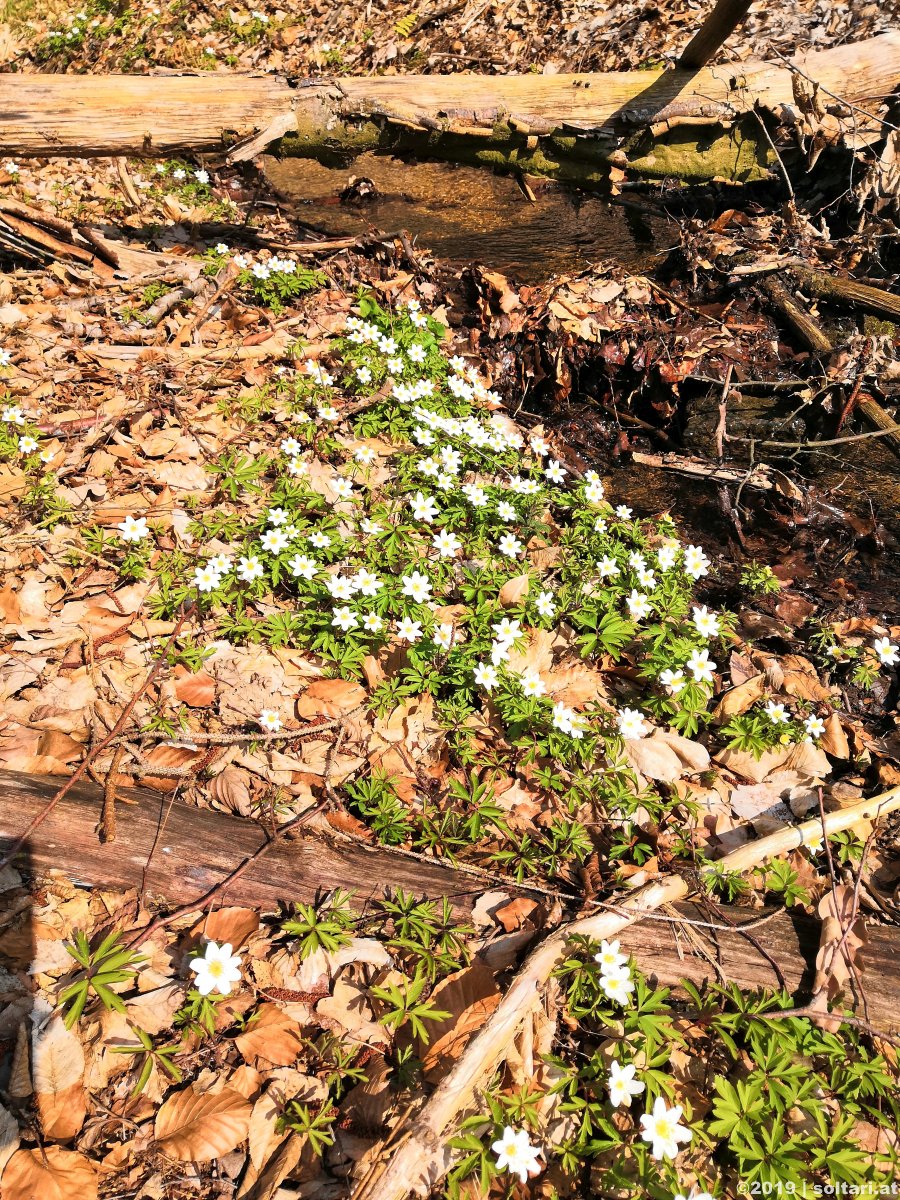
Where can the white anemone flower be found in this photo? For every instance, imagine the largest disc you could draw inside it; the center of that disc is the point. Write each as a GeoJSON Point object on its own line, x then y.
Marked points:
{"type": "Point", "coordinates": [133, 529]}
{"type": "Point", "coordinates": [516, 1154]}
{"type": "Point", "coordinates": [623, 1087]}
{"type": "Point", "coordinates": [662, 1129]}
{"type": "Point", "coordinates": [217, 970]}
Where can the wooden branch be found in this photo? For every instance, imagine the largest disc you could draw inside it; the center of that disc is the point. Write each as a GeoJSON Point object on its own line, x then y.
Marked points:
{"type": "Point", "coordinates": [814, 338]}
{"type": "Point", "coordinates": [417, 1164]}
{"type": "Point", "coordinates": [564, 125]}
{"type": "Point", "coordinates": [196, 848]}
{"type": "Point", "coordinates": [849, 292]}
{"type": "Point", "coordinates": [716, 29]}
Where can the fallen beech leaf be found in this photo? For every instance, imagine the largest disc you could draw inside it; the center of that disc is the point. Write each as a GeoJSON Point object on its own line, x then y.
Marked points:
{"type": "Point", "coordinates": [738, 699]}
{"type": "Point", "coordinates": [13, 483]}
{"type": "Point", "coordinates": [514, 914]}
{"type": "Point", "coordinates": [231, 789]}
{"type": "Point", "coordinates": [794, 610]}
{"type": "Point", "coordinates": [762, 803]}
{"type": "Point", "coordinates": [514, 591]}
{"type": "Point", "coordinates": [330, 698]}
{"type": "Point", "coordinates": [470, 996]}
{"type": "Point", "coordinates": [168, 756]}
{"type": "Point", "coordinates": [57, 1069]}
{"type": "Point", "coordinates": [9, 1137]}
{"type": "Point", "coordinates": [197, 689]}
{"type": "Point", "coordinates": [833, 741]}
{"type": "Point", "coordinates": [272, 1037]}
{"type": "Point", "coordinates": [839, 943]}
{"type": "Point", "coordinates": [232, 925]}
{"type": "Point", "coordinates": [654, 759]}
{"type": "Point", "coordinates": [694, 756]}
{"type": "Point", "coordinates": [51, 1174]}
{"type": "Point", "coordinates": [197, 1126]}
{"type": "Point", "coordinates": [798, 678]}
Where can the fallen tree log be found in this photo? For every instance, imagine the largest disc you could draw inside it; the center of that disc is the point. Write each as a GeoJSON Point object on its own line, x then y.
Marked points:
{"type": "Point", "coordinates": [684, 123]}
{"type": "Point", "coordinates": [177, 852]}
{"type": "Point", "coordinates": [189, 850]}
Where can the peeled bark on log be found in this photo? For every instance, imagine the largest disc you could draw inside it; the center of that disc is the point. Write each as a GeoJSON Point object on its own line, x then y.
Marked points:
{"type": "Point", "coordinates": [297, 869]}
{"type": "Point", "coordinates": [564, 126]}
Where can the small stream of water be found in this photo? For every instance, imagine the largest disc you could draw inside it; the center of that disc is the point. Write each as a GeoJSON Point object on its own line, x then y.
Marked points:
{"type": "Point", "coordinates": [466, 215]}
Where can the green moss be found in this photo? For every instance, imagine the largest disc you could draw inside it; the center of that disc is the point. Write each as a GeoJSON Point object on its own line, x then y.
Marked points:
{"type": "Point", "coordinates": [875, 327]}
{"type": "Point", "coordinates": [688, 153]}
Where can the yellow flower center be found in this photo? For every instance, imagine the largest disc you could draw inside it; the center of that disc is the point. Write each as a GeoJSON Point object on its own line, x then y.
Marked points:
{"type": "Point", "coordinates": [215, 969]}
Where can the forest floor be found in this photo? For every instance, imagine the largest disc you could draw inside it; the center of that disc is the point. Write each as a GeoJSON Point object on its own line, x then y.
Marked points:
{"type": "Point", "coordinates": [544, 582]}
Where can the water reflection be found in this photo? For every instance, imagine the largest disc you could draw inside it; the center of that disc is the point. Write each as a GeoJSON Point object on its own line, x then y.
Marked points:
{"type": "Point", "coordinates": [465, 214]}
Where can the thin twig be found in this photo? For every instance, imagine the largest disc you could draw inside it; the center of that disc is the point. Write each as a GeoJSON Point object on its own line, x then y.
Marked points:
{"type": "Point", "coordinates": [810, 446]}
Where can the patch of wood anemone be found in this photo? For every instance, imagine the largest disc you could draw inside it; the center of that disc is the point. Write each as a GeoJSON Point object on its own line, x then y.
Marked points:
{"type": "Point", "coordinates": [684, 123]}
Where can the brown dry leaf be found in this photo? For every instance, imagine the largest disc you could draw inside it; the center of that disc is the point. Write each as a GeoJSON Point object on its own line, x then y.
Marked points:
{"type": "Point", "coordinates": [264, 1185]}
{"type": "Point", "coordinates": [762, 803]}
{"type": "Point", "coordinates": [538, 654]}
{"type": "Point", "coordinates": [168, 756]}
{"type": "Point", "coordinates": [507, 298]}
{"type": "Point", "coordinates": [231, 789]}
{"type": "Point", "coordinates": [693, 755]}
{"type": "Point", "coordinates": [807, 760]}
{"type": "Point", "coordinates": [834, 741]}
{"type": "Point", "coordinates": [197, 689]}
{"type": "Point", "coordinates": [57, 1072]}
{"type": "Point", "coordinates": [654, 759]}
{"type": "Point", "coordinates": [515, 914]}
{"type": "Point", "coordinates": [273, 1038]}
{"type": "Point", "coordinates": [797, 676]}
{"type": "Point", "coordinates": [49, 1174]}
{"type": "Point", "coordinates": [838, 956]}
{"type": "Point", "coordinates": [738, 699]}
{"type": "Point", "coordinates": [13, 483]}
{"type": "Point", "coordinates": [232, 925]}
{"type": "Point", "coordinates": [514, 591]}
{"type": "Point", "coordinates": [330, 698]}
{"type": "Point", "coordinates": [575, 683]}
{"type": "Point", "coordinates": [470, 996]}
{"type": "Point", "coordinates": [348, 1008]}
{"type": "Point", "coordinates": [155, 1010]}
{"type": "Point", "coordinates": [196, 1126]}
{"type": "Point", "coordinates": [263, 1136]}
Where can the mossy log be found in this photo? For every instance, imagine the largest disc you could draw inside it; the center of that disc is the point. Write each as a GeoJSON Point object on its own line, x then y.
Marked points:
{"type": "Point", "coordinates": [687, 124]}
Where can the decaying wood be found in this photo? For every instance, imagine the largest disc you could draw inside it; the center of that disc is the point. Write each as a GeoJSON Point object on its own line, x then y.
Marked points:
{"type": "Point", "coordinates": [668, 952]}
{"type": "Point", "coordinates": [849, 292]}
{"type": "Point", "coordinates": [760, 476]}
{"type": "Point", "coordinates": [190, 850]}
{"type": "Point", "coordinates": [417, 1164]}
{"type": "Point", "coordinates": [567, 126]}
{"type": "Point", "coordinates": [179, 873]}
{"type": "Point", "coordinates": [814, 337]}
